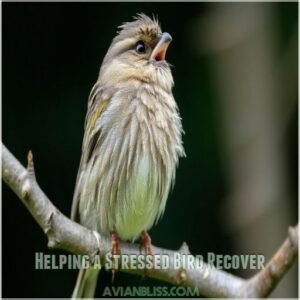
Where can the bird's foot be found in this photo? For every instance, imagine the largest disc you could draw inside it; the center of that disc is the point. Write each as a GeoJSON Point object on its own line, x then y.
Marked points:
{"type": "Point", "coordinates": [146, 244]}
{"type": "Point", "coordinates": [115, 250]}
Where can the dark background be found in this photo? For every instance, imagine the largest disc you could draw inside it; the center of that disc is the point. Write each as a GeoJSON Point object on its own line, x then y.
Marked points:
{"type": "Point", "coordinates": [51, 54]}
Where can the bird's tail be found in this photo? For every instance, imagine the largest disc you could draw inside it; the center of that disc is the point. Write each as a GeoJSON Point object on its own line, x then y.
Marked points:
{"type": "Point", "coordinates": [86, 283]}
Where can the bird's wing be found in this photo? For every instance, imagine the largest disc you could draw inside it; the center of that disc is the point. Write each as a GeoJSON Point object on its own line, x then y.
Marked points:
{"type": "Point", "coordinates": [98, 101]}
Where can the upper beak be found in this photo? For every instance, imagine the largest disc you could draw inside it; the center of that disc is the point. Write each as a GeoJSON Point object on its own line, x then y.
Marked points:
{"type": "Point", "coordinates": [159, 52]}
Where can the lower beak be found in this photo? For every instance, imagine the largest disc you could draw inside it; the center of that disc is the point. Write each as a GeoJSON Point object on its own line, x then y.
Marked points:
{"type": "Point", "coordinates": [159, 52]}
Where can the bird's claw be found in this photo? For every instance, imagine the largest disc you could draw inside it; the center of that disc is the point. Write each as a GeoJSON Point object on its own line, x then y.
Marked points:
{"type": "Point", "coordinates": [146, 244]}
{"type": "Point", "coordinates": [115, 250]}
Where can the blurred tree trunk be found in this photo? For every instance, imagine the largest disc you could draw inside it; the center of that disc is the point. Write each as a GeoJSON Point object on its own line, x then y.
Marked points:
{"type": "Point", "coordinates": [256, 97]}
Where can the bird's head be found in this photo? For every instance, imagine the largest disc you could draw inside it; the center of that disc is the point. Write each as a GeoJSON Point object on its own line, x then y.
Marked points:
{"type": "Point", "coordinates": [137, 54]}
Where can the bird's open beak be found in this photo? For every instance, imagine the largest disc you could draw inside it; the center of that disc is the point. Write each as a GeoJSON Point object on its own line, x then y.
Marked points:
{"type": "Point", "coordinates": [159, 52]}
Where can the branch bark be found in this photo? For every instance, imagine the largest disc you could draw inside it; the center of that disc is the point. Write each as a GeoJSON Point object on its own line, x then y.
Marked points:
{"type": "Point", "coordinates": [65, 234]}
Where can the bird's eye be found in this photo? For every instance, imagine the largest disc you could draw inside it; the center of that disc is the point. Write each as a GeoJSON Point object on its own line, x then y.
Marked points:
{"type": "Point", "coordinates": [140, 47]}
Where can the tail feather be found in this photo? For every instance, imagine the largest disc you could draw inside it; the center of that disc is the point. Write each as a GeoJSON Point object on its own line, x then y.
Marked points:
{"type": "Point", "coordinates": [86, 283]}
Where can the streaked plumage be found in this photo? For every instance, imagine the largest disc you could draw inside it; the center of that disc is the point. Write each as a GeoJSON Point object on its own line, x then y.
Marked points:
{"type": "Point", "coordinates": [132, 138]}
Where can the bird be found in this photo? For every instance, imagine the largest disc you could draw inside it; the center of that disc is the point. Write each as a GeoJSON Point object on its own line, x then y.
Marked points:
{"type": "Point", "coordinates": [132, 141]}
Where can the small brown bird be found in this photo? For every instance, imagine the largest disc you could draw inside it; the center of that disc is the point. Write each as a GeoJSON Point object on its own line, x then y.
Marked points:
{"type": "Point", "coordinates": [132, 140]}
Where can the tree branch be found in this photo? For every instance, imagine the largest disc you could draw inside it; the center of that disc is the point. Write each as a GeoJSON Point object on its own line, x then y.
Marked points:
{"type": "Point", "coordinates": [65, 234]}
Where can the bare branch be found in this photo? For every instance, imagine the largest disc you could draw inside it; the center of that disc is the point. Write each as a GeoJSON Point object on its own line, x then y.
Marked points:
{"type": "Point", "coordinates": [263, 283]}
{"type": "Point", "coordinates": [65, 234]}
